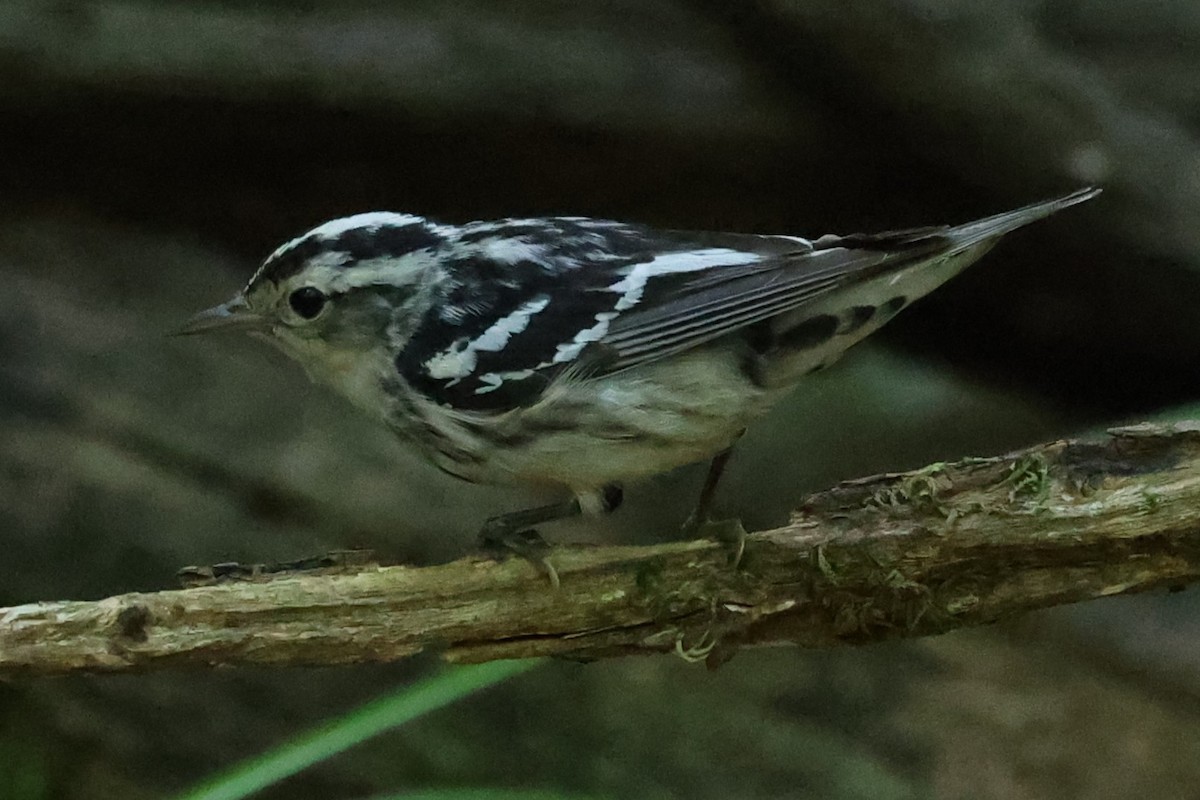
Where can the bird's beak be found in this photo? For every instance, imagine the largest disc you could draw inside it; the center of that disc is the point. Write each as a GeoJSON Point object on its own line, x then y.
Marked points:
{"type": "Point", "coordinates": [229, 316]}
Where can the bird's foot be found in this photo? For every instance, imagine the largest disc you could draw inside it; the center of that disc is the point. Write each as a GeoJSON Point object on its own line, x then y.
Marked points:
{"type": "Point", "coordinates": [729, 532]}
{"type": "Point", "coordinates": [500, 541]}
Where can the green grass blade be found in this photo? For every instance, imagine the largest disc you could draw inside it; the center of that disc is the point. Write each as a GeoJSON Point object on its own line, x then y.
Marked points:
{"type": "Point", "coordinates": [370, 720]}
{"type": "Point", "coordinates": [485, 794]}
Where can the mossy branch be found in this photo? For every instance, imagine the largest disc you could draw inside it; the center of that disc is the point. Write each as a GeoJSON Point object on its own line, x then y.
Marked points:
{"type": "Point", "coordinates": [910, 554]}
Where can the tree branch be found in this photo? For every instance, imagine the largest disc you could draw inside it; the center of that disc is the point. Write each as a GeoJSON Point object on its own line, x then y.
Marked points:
{"type": "Point", "coordinates": [909, 554]}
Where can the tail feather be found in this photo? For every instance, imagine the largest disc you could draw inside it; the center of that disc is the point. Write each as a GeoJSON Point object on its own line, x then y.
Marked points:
{"type": "Point", "coordinates": [962, 237]}
{"type": "Point", "coordinates": [950, 239]}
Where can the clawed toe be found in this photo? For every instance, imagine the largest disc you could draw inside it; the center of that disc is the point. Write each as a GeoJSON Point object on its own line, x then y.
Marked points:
{"type": "Point", "coordinates": [500, 541]}
{"type": "Point", "coordinates": [728, 532]}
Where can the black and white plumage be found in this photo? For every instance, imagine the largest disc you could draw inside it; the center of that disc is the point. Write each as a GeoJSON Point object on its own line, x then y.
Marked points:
{"type": "Point", "coordinates": [577, 352]}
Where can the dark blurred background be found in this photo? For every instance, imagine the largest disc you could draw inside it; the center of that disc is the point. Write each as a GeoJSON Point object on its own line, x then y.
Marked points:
{"type": "Point", "coordinates": [153, 152]}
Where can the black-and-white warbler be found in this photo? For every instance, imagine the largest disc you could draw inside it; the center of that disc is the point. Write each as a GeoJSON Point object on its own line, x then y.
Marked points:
{"type": "Point", "coordinates": [581, 353]}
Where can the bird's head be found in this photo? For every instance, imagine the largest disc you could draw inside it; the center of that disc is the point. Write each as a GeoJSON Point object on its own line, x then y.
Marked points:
{"type": "Point", "coordinates": [337, 295]}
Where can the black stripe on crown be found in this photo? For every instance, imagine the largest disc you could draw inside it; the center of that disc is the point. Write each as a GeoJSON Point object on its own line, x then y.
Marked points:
{"type": "Point", "coordinates": [386, 241]}
{"type": "Point", "coordinates": [280, 267]}
{"type": "Point", "coordinates": [358, 244]}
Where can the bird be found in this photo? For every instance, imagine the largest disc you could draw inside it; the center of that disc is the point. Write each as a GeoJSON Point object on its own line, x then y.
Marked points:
{"type": "Point", "coordinates": [581, 354]}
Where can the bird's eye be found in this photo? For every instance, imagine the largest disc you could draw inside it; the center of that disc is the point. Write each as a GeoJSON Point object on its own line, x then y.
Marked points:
{"type": "Point", "coordinates": [307, 301]}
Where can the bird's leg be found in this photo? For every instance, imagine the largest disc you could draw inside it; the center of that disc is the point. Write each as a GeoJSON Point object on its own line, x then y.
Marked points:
{"type": "Point", "coordinates": [511, 532]}
{"type": "Point", "coordinates": [716, 468]}
{"type": "Point", "coordinates": [700, 522]}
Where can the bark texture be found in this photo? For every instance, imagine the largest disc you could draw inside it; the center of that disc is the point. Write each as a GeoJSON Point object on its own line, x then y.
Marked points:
{"type": "Point", "coordinates": [918, 553]}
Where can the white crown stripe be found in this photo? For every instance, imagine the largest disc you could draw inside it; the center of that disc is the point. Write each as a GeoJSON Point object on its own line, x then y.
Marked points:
{"type": "Point", "coordinates": [370, 220]}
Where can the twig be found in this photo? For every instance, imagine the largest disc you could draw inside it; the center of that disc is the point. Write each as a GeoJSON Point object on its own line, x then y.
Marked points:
{"type": "Point", "coordinates": [910, 554]}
